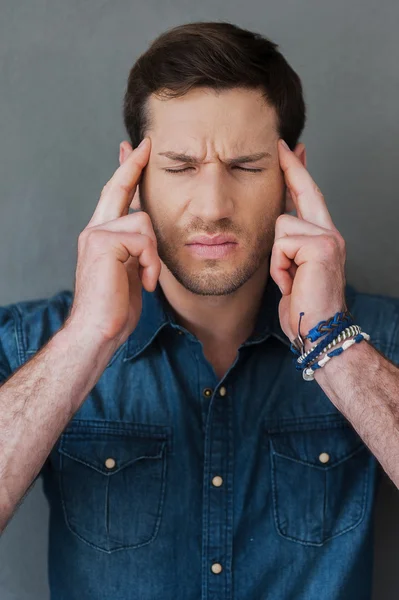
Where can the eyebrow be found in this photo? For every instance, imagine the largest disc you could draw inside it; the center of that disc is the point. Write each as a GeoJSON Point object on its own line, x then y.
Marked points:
{"type": "Point", "coordinates": [187, 158]}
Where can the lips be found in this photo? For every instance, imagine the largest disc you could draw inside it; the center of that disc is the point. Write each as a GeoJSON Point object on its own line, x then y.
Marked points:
{"type": "Point", "coordinates": [216, 240]}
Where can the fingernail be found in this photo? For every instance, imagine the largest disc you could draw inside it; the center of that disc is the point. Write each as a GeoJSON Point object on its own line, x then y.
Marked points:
{"type": "Point", "coordinates": [142, 143]}
{"type": "Point", "coordinates": [283, 143]}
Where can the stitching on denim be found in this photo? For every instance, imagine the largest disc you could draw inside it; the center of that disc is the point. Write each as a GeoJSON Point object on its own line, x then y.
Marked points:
{"type": "Point", "coordinates": [391, 342]}
{"type": "Point", "coordinates": [315, 422]}
{"type": "Point", "coordinates": [338, 533]}
{"type": "Point", "coordinates": [19, 335]}
{"type": "Point", "coordinates": [107, 511]}
{"type": "Point", "coordinates": [114, 471]}
{"type": "Point", "coordinates": [320, 468]}
{"type": "Point", "coordinates": [159, 513]}
{"type": "Point", "coordinates": [81, 428]}
{"type": "Point", "coordinates": [323, 529]}
{"type": "Point", "coordinates": [204, 541]}
{"type": "Point", "coordinates": [125, 547]}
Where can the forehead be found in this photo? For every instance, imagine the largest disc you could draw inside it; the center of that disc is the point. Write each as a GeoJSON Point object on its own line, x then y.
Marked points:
{"type": "Point", "coordinates": [227, 117]}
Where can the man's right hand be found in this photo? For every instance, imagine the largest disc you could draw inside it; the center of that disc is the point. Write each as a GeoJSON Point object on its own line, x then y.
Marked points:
{"type": "Point", "coordinates": [117, 256]}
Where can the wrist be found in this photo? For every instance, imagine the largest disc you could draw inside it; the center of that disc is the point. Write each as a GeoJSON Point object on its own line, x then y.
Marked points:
{"type": "Point", "coordinates": [80, 356]}
{"type": "Point", "coordinates": [87, 338]}
{"type": "Point", "coordinates": [84, 347]}
{"type": "Point", "coordinates": [357, 358]}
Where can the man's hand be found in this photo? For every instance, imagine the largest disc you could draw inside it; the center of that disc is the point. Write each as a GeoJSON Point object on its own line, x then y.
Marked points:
{"type": "Point", "coordinates": [117, 255]}
{"type": "Point", "coordinates": [308, 256]}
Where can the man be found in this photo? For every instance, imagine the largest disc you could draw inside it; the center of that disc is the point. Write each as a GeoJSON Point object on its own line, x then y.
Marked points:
{"type": "Point", "coordinates": [182, 454]}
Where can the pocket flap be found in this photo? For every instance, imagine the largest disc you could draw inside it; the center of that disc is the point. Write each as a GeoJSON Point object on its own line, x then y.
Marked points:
{"type": "Point", "coordinates": [109, 447]}
{"type": "Point", "coordinates": [321, 443]}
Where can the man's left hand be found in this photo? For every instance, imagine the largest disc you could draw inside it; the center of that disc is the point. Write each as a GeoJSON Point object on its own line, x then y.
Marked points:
{"type": "Point", "coordinates": [308, 256]}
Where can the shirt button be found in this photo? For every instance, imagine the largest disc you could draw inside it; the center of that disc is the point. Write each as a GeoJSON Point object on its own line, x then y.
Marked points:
{"type": "Point", "coordinates": [207, 392]}
{"type": "Point", "coordinates": [110, 463]}
{"type": "Point", "coordinates": [179, 331]}
{"type": "Point", "coordinates": [217, 481]}
{"type": "Point", "coordinates": [324, 457]}
{"type": "Point", "coordinates": [222, 391]}
{"type": "Point", "coordinates": [216, 568]}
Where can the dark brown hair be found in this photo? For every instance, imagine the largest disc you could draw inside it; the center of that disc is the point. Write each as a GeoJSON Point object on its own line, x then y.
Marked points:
{"type": "Point", "coordinates": [217, 55]}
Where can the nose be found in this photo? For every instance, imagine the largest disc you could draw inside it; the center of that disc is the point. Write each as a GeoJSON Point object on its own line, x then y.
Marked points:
{"type": "Point", "coordinates": [212, 195]}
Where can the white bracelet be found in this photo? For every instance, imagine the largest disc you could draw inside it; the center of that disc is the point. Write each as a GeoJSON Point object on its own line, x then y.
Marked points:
{"type": "Point", "coordinates": [308, 373]}
{"type": "Point", "coordinates": [349, 332]}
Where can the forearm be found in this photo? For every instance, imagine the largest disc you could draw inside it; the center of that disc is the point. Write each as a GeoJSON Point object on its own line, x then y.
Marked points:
{"type": "Point", "coordinates": [364, 386]}
{"type": "Point", "coordinates": [36, 404]}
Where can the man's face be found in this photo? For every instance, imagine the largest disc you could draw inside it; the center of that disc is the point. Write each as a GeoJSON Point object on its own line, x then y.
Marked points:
{"type": "Point", "coordinates": [216, 195]}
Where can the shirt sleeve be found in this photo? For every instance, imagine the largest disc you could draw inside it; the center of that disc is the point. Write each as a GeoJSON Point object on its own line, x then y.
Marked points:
{"type": "Point", "coordinates": [8, 349]}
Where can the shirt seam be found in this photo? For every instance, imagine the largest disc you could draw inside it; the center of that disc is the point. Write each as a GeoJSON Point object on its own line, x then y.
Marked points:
{"type": "Point", "coordinates": [19, 334]}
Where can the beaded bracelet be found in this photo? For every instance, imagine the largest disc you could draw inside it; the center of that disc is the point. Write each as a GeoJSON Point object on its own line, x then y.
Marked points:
{"type": "Point", "coordinates": [308, 373]}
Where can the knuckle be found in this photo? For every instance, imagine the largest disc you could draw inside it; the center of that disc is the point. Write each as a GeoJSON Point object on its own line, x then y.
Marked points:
{"type": "Point", "coordinates": [340, 241]}
{"type": "Point", "coordinates": [82, 238]}
{"type": "Point", "coordinates": [329, 243]}
{"type": "Point", "coordinates": [117, 187]}
{"type": "Point", "coordinates": [142, 217]}
{"type": "Point", "coordinates": [94, 238]}
{"type": "Point", "coordinates": [148, 242]}
{"type": "Point", "coordinates": [277, 245]}
{"type": "Point", "coordinates": [281, 220]}
{"type": "Point", "coordinates": [123, 187]}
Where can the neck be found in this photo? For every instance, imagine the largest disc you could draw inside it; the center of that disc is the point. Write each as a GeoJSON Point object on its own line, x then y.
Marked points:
{"type": "Point", "coordinates": [217, 320]}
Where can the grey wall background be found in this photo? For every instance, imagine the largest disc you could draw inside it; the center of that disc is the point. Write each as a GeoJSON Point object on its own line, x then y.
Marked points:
{"type": "Point", "coordinates": [63, 68]}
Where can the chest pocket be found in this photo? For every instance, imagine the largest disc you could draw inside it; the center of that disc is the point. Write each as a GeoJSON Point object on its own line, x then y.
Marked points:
{"type": "Point", "coordinates": [320, 474]}
{"type": "Point", "coordinates": [112, 478]}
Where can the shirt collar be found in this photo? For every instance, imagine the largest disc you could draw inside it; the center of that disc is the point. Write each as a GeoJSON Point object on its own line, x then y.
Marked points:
{"type": "Point", "coordinates": [157, 313]}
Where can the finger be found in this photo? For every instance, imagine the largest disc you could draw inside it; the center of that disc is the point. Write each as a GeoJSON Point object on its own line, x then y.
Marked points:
{"type": "Point", "coordinates": [138, 222]}
{"type": "Point", "coordinates": [125, 245]}
{"type": "Point", "coordinates": [118, 193]}
{"type": "Point", "coordinates": [307, 197]}
{"type": "Point", "coordinates": [141, 247]}
{"type": "Point", "coordinates": [281, 270]}
{"type": "Point", "coordinates": [297, 250]}
{"type": "Point", "coordinates": [291, 225]}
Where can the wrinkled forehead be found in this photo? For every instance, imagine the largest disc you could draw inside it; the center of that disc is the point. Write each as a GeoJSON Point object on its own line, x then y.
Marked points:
{"type": "Point", "coordinates": [224, 121]}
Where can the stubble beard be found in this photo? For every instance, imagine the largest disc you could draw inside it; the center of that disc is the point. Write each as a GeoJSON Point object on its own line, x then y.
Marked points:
{"type": "Point", "coordinates": [211, 279]}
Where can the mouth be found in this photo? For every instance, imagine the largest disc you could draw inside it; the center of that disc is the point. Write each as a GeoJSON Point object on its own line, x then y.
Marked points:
{"type": "Point", "coordinates": [208, 240]}
{"type": "Point", "coordinates": [218, 246]}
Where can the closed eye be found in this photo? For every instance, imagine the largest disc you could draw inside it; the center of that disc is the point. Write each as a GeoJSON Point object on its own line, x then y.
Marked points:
{"type": "Point", "coordinates": [190, 168]}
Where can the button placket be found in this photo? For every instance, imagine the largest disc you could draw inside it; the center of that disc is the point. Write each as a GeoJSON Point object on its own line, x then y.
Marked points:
{"type": "Point", "coordinates": [217, 499]}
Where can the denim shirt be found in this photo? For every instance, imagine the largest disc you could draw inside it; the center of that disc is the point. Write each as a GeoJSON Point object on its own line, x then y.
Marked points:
{"type": "Point", "coordinates": [171, 484]}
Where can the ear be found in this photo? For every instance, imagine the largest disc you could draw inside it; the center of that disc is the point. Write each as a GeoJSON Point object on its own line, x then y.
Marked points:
{"type": "Point", "coordinates": [300, 152]}
{"type": "Point", "coordinates": [125, 149]}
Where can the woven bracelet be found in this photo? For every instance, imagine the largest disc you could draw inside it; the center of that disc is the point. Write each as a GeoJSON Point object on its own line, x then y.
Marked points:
{"type": "Point", "coordinates": [308, 373]}
{"type": "Point", "coordinates": [319, 348]}
{"type": "Point", "coordinates": [350, 331]}
{"type": "Point", "coordinates": [325, 327]}
{"type": "Point", "coordinates": [322, 328]}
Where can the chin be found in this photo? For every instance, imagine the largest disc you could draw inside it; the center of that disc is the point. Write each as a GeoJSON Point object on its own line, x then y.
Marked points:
{"type": "Point", "coordinates": [219, 283]}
